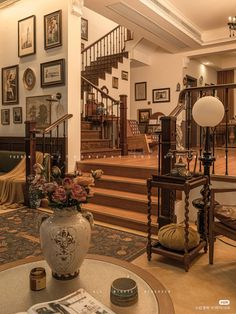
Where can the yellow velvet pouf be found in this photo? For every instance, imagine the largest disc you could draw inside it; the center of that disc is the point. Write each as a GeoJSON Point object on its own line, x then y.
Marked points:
{"type": "Point", "coordinates": [172, 236]}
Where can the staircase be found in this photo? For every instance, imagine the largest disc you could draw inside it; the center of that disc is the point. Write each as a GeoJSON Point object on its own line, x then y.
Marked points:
{"type": "Point", "coordinates": [100, 136]}
{"type": "Point", "coordinates": [120, 196]}
{"type": "Point", "coordinates": [92, 146]}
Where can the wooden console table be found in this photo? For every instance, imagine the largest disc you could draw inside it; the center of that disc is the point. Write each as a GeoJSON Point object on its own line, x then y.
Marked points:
{"type": "Point", "coordinates": [172, 183]}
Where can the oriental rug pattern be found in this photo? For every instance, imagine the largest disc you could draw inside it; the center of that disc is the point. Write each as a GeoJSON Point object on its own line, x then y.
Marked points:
{"type": "Point", "coordinates": [19, 238]}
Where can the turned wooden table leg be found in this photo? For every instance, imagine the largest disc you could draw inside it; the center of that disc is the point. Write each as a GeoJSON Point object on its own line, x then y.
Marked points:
{"type": "Point", "coordinates": [149, 223]}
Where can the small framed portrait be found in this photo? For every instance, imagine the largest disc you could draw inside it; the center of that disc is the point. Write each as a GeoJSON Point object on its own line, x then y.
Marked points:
{"type": "Point", "coordinates": [115, 82]}
{"type": "Point", "coordinates": [144, 115]}
{"type": "Point", "coordinates": [10, 86]}
{"type": "Point", "coordinates": [124, 75]}
{"type": "Point", "coordinates": [38, 109]}
{"type": "Point", "coordinates": [84, 29]}
{"type": "Point", "coordinates": [161, 95]}
{"type": "Point", "coordinates": [52, 73]}
{"type": "Point", "coordinates": [53, 30]}
{"type": "Point", "coordinates": [17, 115]}
{"type": "Point", "coordinates": [140, 91]}
{"type": "Point", "coordinates": [5, 116]}
{"type": "Point", "coordinates": [29, 79]}
{"type": "Point", "coordinates": [26, 36]}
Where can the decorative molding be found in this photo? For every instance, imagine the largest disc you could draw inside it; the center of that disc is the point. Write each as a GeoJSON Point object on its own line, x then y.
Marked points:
{"type": "Point", "coordinates": [6, 3]}
{"type": "Point", "coordinates": [76, 7]}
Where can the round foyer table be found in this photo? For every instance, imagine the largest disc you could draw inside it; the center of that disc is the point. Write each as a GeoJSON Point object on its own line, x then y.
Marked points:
{"type": "Point", "coordinates": [96, 275]}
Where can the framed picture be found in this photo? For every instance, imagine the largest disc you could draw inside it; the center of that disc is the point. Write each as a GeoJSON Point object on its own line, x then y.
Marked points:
{"type": "Point", "coordinates": [29, 79]}
{"type": "Point", "coordinates": [17, 115]}
{"type": "Point", "coordinates": [161, 95]}
{"type": "Point", "coordinates": [38, 109]}
{"type": "Point", "coordinates": [141, 91]}
{"type": "Point", "coordinates": [124, 75]}
{"type": "Point", "coordinates": [10, 89]}
{"type": "Point", "coordinates": [84, 29]}
{"type": "Point", "coordinates": [26, 36]}
{"type": "Point", "coordinates": [53, 30]}
{"type": "Point", "coordinates": [144, 115]}
{"type": "Point", "coordinates": [115, 82]}
{"type": "Point", "coordinates": [5, 116]}
{"type": "Point", "coordinates": [52, 73]}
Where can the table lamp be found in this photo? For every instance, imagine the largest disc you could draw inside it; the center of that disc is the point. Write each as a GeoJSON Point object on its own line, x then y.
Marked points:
{"type": "Point", "coordinates": [207, 112]}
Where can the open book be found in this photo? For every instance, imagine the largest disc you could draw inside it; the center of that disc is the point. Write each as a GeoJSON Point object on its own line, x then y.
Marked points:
{"type": "Point", "coordinates": [79, 302]}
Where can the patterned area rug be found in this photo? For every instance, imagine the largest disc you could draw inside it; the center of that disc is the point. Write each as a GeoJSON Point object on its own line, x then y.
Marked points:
{"type": "Point", "coordinates": [19, 238]}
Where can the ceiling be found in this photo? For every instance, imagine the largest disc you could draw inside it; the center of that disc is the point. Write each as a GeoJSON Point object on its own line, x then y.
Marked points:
{"type": "Point", "coordinates": [4, 3]}
{"type": "Point", "coordinates": [197, 28]}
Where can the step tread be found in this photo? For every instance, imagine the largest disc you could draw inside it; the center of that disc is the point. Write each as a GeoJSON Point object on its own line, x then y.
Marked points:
{"type": "Point", "coordinates": [118, 165]}
{"type": "Point", "coordinates": [123, 179]}
{"type": "Point", "coordinates": [99, 150]}
{"type": "Point", "coordinates": [111, 211]}
{"type": "Point", "coordinates": [124, 195]}
{"type": "Point", "coordinates": [95, 140]}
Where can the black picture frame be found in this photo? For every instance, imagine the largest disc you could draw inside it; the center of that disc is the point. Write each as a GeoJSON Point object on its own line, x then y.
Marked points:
{"type": "Point", "coordinates": [140, 91]}
{"type": "Point", "coordinates": [53, 30]}
{"type": "Point", "coordinates": [84, 29]}
{"type": "Point", "coordinates": [115, 82]}
{"type": "Point", "coordinates": [27, 36]}
{"type": "Point", "coordinates": [5, 116]}
{"type": "Point", "coordinates": [144, 115]}
{"type": "Point", "coordinates": [17, 115]}
{"type": "Point", "coordinates": [125, 75]}
{"type": "Point", "coordinates": [52, 73]}
{"type": "Point", "coordinates": [161, 95]}
{"type": "Point", "coordinates": [10, 85]}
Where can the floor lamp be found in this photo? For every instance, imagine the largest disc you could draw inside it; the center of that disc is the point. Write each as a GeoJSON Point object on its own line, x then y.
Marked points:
{"type": "Point", "coordinates": [207, 112]}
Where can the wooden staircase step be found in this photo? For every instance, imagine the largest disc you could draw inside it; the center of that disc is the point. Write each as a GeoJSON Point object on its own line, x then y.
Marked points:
{"type": "Point", "coordinates": [90, 134]}
{"type": "Point", "coordinates": [133, 185]}
{"type": "Point", "coordinates": [124, 200]}
{"type": "Point", "coordinates": [87, 144]}
{"type": "Point", "coordinates": [86, 125]}
{"type": "Point", "coordinates": [119, 170]}
{"type": "Point", "coordinates": [99, 153]}
{"type": "Point", "coordinates": [120, 217]}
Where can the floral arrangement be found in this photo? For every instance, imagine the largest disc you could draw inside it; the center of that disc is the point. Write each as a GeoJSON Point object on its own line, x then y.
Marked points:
{"type": "Point", "coordinates": [72, 191]}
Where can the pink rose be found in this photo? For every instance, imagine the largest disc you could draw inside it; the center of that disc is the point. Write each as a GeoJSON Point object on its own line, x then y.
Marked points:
{"type": "Point", "coordinates": [50, 187]}
{"type": "Point", "coordinates": [59, 195]}
{"type": "Point", "coordinates": [67, 183]}
{"type": "Point", "coordinates": [78, 193]}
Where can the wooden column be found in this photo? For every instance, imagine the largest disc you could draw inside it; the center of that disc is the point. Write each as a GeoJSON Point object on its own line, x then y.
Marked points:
{"type": "Point", "coordinates": [30, 152]}
{"type": "Point", "coordinates": [168, 126]}
{"type": "Point", "coordinates": [123, 125]}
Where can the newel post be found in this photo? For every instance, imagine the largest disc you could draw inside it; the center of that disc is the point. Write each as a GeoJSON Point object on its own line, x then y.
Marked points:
{"type": "Point", "coordinates": [30, 151]}
{"type": "Point", "coordinates": [123, 125]}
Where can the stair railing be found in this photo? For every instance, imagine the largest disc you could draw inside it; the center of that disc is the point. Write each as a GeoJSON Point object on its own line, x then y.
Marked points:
{"type": "Point", "coordinates": [109, 44]}
{"type": "Point", "coordinates": [222, 135]}
{"type": "Point", "coordinates": [50, 140]}
{"type": "Point", "coordinates": [107, 117]}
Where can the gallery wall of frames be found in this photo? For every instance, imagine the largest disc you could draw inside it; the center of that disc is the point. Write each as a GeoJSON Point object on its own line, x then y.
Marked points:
{"type": "Point", "coordinates": [34, 65]}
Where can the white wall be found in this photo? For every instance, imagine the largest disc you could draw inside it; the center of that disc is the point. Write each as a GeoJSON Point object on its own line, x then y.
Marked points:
{"type": "Point", "coordinates": [165, 71]}
{"type": "Point", "coordinates": [196, 70]}
{"type": "Point", "coordinates": [9, 17]}
{"type": "Point", "coordinates": [98, 26]}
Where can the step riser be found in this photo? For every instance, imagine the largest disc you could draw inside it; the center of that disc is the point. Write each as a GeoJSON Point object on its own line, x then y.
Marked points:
{"type": "Point", "coordinates": [86, 125]}
{"type": "Point", "coordinates": [92, 155]}
{"type": "Point", "coordinates": [114, 170]}
{"type": "Point", "coordinates": [136, 225]}
{"type": "Point", "coordinates": [94, 145]}
{"type": "Point", "coordinates": [128, 204]}
{"type": "Point", "coordinates": [90, 135]}
{"type": "Point", "coordinates": [124, 186]}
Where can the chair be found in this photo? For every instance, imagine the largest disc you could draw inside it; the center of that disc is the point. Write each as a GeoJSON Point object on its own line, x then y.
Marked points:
{"type": "Point", "coordinates": [226, 220]}
{"type": "Point", "coordinates": [136, 140]}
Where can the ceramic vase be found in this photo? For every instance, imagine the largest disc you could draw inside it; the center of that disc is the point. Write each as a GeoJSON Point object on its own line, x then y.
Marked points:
{"type": "Point", "coordinates": [65, 238]}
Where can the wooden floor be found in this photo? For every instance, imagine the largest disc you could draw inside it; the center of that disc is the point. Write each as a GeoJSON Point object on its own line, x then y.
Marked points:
{"type": "Point", "coordinates": [151, 161]}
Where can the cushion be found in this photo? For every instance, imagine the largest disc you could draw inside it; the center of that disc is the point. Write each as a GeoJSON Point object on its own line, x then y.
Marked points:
{"type": "Point", "coordinates": [227, 215]}
{"type": "Point", "coordinates": [172, 236]}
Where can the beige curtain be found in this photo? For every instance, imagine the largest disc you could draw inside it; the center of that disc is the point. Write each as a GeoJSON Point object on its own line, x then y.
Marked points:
{"type": "Point", "coordinates": [12, 183]}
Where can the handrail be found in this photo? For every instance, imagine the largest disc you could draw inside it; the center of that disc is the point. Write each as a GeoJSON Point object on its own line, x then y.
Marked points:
{"type": "Point", "coordinates": [99, 90]}
{"type": "Point", "coordinates": [101, 38]}
{"type": "Point", "coordinates": [55, 124]}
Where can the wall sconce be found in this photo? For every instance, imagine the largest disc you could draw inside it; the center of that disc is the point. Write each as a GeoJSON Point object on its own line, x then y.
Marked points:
{"type": "Point", "coordinates": [232, 25]}
{"type": "Point", "coordinates": [178, 87]}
